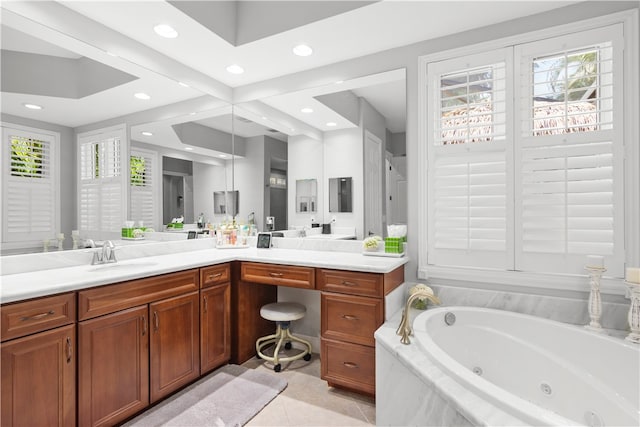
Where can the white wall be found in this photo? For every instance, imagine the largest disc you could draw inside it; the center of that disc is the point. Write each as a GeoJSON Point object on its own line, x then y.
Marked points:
{"type": "Point", "coordinates": [305, 161]}
{"type": "Point", "coordinates": [343, 157]}
{"type": "Point", "coordinates": [249, 181]}
{"type": "Point", "coordinates": [206, 180]}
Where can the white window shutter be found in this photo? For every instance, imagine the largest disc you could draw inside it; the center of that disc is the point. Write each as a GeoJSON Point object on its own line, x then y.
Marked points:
{"type": "Point", "coordinates": [569, 164]}
{"type": "Point", "coordinates": [102, 194]}
{"type": "Point", "coordinates": [30, 193]}
{"type": "Point", "coordinates": [144, 184]}
{"type": "Point", "coordinates": [469, 188]}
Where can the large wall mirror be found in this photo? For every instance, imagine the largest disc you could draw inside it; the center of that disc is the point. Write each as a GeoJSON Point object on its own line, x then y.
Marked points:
{"type": "Point", "coordinates": [183, 145]}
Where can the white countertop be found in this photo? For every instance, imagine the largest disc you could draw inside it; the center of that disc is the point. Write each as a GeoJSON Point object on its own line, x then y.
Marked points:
{"type": "Point", "coordinates": [31, 284]}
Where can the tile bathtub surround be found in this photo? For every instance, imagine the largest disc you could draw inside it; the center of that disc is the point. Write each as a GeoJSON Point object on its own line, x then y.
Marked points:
{"type": "Point", "coordinates": [568, 308]}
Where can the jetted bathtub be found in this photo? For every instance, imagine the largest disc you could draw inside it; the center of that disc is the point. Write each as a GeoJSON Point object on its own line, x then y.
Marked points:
{"type": "Point", "coordinates": [539, 371]}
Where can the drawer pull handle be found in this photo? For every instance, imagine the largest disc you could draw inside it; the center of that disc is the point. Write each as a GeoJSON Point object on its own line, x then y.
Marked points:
{"type": "Point", "coordinates": [350, 317]}
{"type": "Point", "coordinates": [206, 304]}
{"type": "Point", "coordinates": [37, 316]}
{"type": "Point", "coordinates": [144, 325]}
{"type": "Point", "coordinates": [69, 350]}
{"type": "Point", "coordinates": [276, 274]}
{"type": "Point", "coordinates": [156, 320]}
{"type": "Point", "coordinates": [350, 365]}
{"type": "Point", "coordinates": [347, 283]}
{"type": "Point", "coordinates": [214, 276]}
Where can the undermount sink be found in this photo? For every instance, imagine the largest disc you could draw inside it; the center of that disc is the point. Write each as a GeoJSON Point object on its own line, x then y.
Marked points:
{"type": "Point", "coordinates": [122, 266]}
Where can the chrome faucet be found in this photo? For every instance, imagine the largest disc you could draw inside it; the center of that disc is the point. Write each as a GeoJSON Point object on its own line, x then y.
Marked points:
{"type": "Point", "coordinates": [404, 329]}
{"type": "Point", "coordinates": [106, 256]}
{"type": "Point", "coordinates": [303, 232]}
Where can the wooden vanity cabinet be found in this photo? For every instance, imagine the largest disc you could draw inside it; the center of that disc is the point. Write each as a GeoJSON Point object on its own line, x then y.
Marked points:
{"type": "Point", "coordinates": [352, 308]}
{"type": "Point", "coordinates": [215, 317]}
{"type": "Point", "coordinates": [138, 341]}
{"type": "Point", "coordinates": [38, 362]}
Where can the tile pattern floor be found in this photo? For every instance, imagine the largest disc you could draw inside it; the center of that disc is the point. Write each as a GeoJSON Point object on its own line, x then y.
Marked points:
{"type": "Point", "coordinates": [309, 401]}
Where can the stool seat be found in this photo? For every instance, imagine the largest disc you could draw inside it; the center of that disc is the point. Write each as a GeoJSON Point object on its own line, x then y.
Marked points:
{"type": "Point", "coordinates": [283, 311]}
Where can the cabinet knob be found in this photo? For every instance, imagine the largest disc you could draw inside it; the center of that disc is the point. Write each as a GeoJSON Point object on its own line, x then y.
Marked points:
{"type": "Point", "coordinates": [347, 283]}
{"type": "Point", "coordinates": [350, 365]}
{"type": "Point", "coordinates": [37, 316]}
{"type": "Point", "coordinates": [272, 274]}
{"type": "Point", "coordinates": [350, 317]}
{"type": "Point", "coordinates": [213, 276]}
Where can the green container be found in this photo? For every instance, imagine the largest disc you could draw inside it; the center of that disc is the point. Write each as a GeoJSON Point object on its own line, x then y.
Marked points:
{"type": "Point", "coordinates": [127, 232]}
{"type": "Point", "coordinates": [393, 245]}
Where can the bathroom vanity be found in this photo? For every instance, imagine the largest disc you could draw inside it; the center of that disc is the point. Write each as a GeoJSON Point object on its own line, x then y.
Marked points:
{"type": "Point", "coordinates": [105, 342]}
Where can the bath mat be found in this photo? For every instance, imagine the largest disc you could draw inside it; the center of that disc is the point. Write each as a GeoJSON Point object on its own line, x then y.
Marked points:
{"type": "Point", "coordinates": [230, 396]}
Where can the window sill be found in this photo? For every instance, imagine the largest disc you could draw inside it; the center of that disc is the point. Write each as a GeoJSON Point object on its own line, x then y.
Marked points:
{"type": "Point", "coordinates": [519, 280]}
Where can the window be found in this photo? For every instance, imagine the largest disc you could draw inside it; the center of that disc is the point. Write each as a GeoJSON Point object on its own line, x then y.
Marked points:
{"type": "Point", "coordinates": [142, 189]}
{"type": "Point", "coordinates": [525, 156]}
{"type": "Point", "coordinates": [30, 189]}
{"type": "Point", "coordinates": [102, 195]}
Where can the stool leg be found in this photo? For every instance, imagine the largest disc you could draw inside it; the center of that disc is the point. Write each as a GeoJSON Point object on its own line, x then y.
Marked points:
{"type": "Point", "coordinates": [300, 340]}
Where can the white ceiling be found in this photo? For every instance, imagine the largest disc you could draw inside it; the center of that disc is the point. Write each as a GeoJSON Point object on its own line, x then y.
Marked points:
{"type": "Point", "coordinates": [199, 57]}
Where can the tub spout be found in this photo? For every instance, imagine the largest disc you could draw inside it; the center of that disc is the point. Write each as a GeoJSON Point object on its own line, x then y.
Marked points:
{"type": "Point", "coordinates": [404, 329]}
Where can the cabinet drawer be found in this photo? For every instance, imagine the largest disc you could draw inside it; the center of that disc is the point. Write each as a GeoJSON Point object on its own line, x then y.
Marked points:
{"type": "Point", "coordinates": [111, 298]}
{"type": "Point", "coordinates": [350, 282]}
{"type": "Point", "coordinates": [280, 275]}
{"type": "Point", "coordinates": [214, 275]}
{"type": "Point", "coordinates": [28, 317]}
{"type": "Point", "coordinates": [349, 365]}
{"type": "Point", "coordinates": [351, 318]}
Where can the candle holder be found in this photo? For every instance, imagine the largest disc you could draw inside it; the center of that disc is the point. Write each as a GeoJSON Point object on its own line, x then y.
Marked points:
{"type": "Point", "coordinates": [634, 312]}
{"type": "Point", "coordinates": [595, 303]}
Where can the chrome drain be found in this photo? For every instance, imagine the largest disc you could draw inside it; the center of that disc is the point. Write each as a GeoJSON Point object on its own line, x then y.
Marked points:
{"type": "Point", "coordinates": [477, 370]}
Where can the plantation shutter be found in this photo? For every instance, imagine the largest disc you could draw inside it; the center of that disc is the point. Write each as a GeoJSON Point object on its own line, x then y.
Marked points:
{"type": "Point", "coordinates": [143, 183]}
{"type": "Point", "coordinates": [102, 188]}
{"type": "Point", "coordinates": [468, 152]}
{"type": "Point", "coordinates": [569, 164]}
{"type": "Point", "coordinates": [30, 187]}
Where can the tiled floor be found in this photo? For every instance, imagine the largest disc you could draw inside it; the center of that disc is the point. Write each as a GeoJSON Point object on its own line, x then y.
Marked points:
{"type": "Point", "coordinates": [308, 401]}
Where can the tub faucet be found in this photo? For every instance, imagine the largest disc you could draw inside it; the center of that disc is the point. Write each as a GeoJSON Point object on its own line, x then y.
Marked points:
{"type": "Point", "coordinates": [404, 329]}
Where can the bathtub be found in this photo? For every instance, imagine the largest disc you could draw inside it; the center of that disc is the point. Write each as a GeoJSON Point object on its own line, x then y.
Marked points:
{"type": "Point", "coordinates": [535, 370]}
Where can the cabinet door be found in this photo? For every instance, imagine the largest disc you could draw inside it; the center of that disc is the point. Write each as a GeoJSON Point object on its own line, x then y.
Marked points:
{"type": "Point", "coordinates": [175, 342]}
{"type": "Point", "coordinates": [38, 379]}
{"type": "Point", "coordinates": [215, 328]}
{"type": "Point", "coordinates": [113, 369]}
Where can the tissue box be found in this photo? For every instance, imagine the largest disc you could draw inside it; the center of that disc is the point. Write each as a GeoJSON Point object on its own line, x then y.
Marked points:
{"type": "Point", "coordinates": [394, 245]}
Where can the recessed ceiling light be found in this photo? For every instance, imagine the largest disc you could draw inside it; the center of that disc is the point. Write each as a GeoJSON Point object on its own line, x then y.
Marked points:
{"type": "Point", "coordinates": [188, 148]}
{"type": "Point", "coordinates": [235, 69]}
{"type": "Point", "coordinates": [33, 106]}
{"type": "Point", "coordinates": [147, 133]}
{"type": "Point", "coordinates": [292, 129]}
{"type": "Point", "coordinates": [307, 110]}
{"type": "Point", "coordinates": [332, 124]}
{"type": "Point", "coordinates": [111, 54]}
{"type": "Point", "coordinates": [339, 82]}
{"type": "Point", "coordinates": [183, 84]}
{"type": "Point", "coordinates": [222, 155]}
{"type": "Point", "coordinates": [193, 113]}
{"type": "Point", "coordinates": [142, 95]}
{"type": "Point", "coordinates": [302, 50]}
{"type": "Point", "coordinates": [264, 118]}
{"type": "Point", "coordinates": [165, 31]}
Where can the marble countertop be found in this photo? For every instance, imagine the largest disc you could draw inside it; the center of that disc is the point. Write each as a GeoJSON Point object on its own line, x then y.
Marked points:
{"type": "Point", "coordinates": [49, 281]}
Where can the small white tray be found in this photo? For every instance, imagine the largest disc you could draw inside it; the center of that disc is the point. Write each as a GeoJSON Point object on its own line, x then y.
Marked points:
{"type": "Point", "coordinates": [232, 247]}
{"type": "Point", "coordinates": [383, 254]}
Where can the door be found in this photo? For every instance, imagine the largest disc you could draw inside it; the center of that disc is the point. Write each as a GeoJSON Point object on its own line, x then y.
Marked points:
{"type": "Point", "coordinates": [113, 367]}
{"type": "Point", "coordinates": [215, 327]}
{"type": "Point", "coordinates": [39, 379]}
{"type": "Point", "coordinates": [373, 194]}
{"type": "Point", "coordinates": [175, 342]}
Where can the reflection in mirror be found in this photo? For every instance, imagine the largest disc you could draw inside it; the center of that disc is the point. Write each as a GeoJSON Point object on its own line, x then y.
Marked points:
{"type": "Point", "coordinates": [306, 195]}
{"type": "Point", "coordinates": [340, 198]}
{"type": "Point", "coordinates": [352, 120]}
